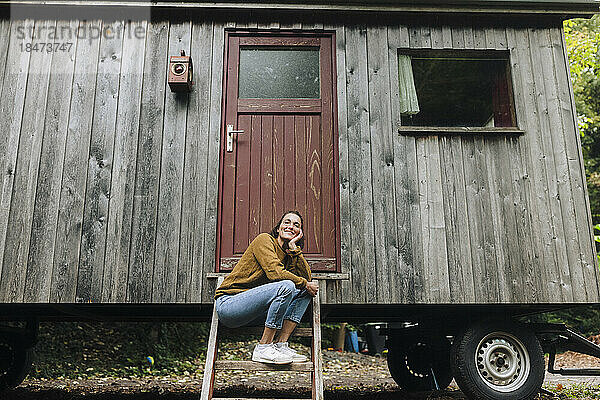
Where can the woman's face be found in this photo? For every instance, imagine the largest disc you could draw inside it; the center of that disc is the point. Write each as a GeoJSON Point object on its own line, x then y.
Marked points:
{"type": "Point", "coordinates": [290, 226]}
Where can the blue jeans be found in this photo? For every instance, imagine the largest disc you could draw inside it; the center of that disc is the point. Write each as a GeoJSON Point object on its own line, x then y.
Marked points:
{"type": "Point", "coordinates": [268, 304]}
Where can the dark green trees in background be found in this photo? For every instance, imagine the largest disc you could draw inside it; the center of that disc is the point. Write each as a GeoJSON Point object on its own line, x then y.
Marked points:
{"type": "Point", "coordinates": [583, 45]}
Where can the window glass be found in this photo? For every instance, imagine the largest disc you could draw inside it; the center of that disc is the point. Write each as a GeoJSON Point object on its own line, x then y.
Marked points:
{"type": "Point", "coordinates": [280, 73]}
{"type": "Point", "coordinates": [456, 92]}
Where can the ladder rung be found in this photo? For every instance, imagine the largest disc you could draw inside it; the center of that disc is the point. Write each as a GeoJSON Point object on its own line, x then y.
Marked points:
{"type": "Point", "coordinates": [258, 330]}
{"type": "Point", "coordinates": [251, 398]}
{"type": "Point", "coordinates": [256, 366]}
{"type": "Point", "coordinates": [304, 332]}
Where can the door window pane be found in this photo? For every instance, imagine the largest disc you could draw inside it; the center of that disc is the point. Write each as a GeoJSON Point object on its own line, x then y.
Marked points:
{"type": "Point", "coordinates": [280, 73]}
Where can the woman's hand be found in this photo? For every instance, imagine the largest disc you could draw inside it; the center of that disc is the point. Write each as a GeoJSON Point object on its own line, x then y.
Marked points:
{"type": "Point", "coordinates": [312, 288]}
{"type": "Point", "coordinates": [292, 243]}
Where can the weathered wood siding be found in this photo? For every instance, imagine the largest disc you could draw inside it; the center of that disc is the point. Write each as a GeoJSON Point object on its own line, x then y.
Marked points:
{"type": "Point", "coordinates": [109, 180]}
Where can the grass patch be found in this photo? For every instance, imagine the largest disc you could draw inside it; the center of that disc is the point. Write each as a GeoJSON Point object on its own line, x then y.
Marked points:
{"type": "Point", "coordinates": [575, 391]}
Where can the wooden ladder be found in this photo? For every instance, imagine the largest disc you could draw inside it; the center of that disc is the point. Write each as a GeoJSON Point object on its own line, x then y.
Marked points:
{"type": "Point", "coordinates": [315, 366]}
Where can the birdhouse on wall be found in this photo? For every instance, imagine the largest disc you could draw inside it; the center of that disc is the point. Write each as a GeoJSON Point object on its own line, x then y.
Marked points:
{"type": "Point", "coordinates": [180, 73]}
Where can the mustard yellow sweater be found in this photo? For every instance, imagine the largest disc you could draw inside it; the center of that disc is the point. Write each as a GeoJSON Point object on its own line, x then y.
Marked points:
{"type": "Point", "coordinates": [265, 261]}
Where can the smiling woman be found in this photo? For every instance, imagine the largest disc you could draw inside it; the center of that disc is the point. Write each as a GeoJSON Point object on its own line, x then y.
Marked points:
{"type": "Point", "coordinates": [271, 286]}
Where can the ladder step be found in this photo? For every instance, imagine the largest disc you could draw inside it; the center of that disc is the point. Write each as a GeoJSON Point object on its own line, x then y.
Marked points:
{"type": "Point", "coordinates": [258, 330]}
{"type": "Point", "coordinates": [251, 398]}
{"type": "Point", "coordinates": [256, 366]}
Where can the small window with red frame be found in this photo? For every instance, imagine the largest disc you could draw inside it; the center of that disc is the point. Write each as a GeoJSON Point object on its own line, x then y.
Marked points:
{"type": "Point", "coordinates": [454, 89]}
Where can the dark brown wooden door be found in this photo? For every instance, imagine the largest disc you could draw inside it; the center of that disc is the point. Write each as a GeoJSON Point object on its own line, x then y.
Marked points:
{"type": "Point", "coordinates": [279, 102]}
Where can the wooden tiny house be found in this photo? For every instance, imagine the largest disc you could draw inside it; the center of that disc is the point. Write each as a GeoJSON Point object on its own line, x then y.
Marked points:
{"type": "Point", "coordinates": [432, 149]}
{"type": "Point", "coordinates": [118, 190]}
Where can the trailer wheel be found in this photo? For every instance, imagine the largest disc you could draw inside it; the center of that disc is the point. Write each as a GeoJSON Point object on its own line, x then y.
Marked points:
{"type": "Point", "coordinates": [411, 361]}
{"type": "Point", "coordinates": [15, 363]}
{"type": "Point", "coordinates": [498, 360]}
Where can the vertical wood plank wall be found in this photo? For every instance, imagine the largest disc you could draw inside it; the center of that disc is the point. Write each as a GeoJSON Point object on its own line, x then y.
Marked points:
{"type": "Point", "coordinates": [109, 180]}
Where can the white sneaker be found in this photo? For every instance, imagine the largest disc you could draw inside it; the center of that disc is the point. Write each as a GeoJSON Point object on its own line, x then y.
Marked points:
{"type": "Point", "coordinates": [267, 353]}
{"type": "Point", "coordinates": [287, 350]}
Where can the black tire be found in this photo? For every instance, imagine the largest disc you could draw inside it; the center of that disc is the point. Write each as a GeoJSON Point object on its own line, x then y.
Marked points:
{"type": "Point", "coordinates": [498, 360]}
{"type": "Point", "coordinates": [15, 363]}
{"type": "Point", "coordinates": [411, 360]}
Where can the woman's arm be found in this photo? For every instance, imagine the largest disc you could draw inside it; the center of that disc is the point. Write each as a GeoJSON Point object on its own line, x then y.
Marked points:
{"type": "Point", "coordinates": [300, 265]}
{"type": "Point", "coordinates": [266, 256]}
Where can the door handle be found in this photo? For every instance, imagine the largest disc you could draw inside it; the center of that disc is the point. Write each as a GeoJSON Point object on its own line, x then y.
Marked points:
{"type": "Point", "coordinates": [230, 133]}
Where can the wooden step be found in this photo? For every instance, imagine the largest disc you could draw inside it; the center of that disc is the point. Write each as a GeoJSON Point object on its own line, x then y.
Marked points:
{"type": "Point", "coordinates": [258, 330]}
{"type": "Point", "coordinates": [256, 366]}
{"type": "Point", "coordinates": [251, 398]}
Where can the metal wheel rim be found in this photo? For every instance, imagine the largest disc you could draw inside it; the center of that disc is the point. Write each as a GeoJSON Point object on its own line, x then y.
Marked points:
{"type": "Point", "coordinates": [502, 361]}
{"type": "Point", "coordinates": [410, 367]}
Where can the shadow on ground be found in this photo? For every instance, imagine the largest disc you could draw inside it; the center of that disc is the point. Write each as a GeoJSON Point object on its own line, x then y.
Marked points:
{"type": "Point", "coordinates": [58, 394]}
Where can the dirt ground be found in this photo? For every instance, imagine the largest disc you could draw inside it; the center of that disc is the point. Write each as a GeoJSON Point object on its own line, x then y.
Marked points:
{"type": "Point", "coordinates": [347, 376]}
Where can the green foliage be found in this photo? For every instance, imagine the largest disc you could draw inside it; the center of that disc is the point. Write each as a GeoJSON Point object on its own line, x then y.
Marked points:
{"type": "Point", "coordinates": [584, 319]}
{"type": "Point", "coordinates": [72, 350]}
{"type": "Point", "coordinates": [575, 391]}
{"type": "Point", "coordinates": [596, 231]}
{"type": "Point", "coordinates": [328, 334]}
{"type": "Point", "coordinates": [582, 37]}
{"type": "Point", "coordinates": [583, 40]}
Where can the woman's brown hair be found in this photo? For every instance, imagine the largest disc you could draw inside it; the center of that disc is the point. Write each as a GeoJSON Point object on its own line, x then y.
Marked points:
{"type": "Point", "coordinates": [275, 231]}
